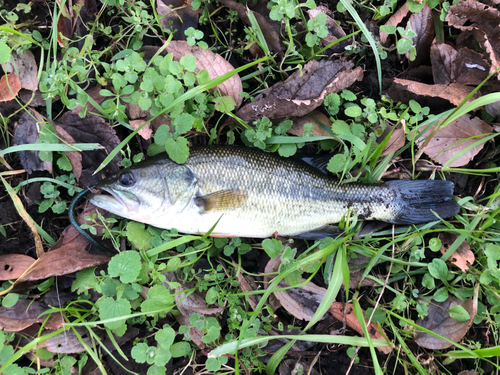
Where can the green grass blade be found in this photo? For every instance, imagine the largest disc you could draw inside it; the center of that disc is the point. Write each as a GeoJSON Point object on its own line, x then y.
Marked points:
{"type": "Point", "coordinates": [51, 147]}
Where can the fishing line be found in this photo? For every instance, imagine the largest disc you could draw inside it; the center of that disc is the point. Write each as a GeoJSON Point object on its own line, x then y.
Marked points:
{"type": "Point", "coordinates": [72, 219]}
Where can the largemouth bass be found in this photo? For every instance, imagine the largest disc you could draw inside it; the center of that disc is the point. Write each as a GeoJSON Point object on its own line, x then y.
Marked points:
{"type": "Point", "coordinates": [253, 193]}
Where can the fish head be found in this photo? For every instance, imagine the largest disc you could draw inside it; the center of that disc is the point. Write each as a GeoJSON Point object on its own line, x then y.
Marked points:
{"type": "Point", "coordinates": [148, 191]}
{"type": "Point", "coordinates": [135, 193]}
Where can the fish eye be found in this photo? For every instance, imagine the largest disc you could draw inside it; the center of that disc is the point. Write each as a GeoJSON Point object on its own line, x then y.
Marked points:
{"type": "Point", "coordinates": [127, 179]}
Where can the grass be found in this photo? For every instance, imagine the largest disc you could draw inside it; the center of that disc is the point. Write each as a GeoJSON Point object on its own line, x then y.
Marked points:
{"type": "Point", "coordinates": [135, 289]}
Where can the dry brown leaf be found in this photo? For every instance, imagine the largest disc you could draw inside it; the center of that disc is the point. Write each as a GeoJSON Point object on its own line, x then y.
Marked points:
{"type": "Point", "coordinates": [464, 66]}
{"type": "Point", "coordinates": [303, 91]}
{"type": "Point", "coordinates": [145, 132]}
{"type": "Point", "coordinates": [480, 17]}
{"type": "Point", "coordinates": [24, 66]}
{"type": "Point", "coordinates": [317, 118]}
{"type": "Point", "coordinates": [64, 27]}
{"type": "Point", "coordinates": [13, 266]}
{"type": "Point", "coordinates": [395, 142]}
{"type": "Point", "coordinates": [213, 63]}
{"type": "Point", "coordinates": [442, 147]}
{"type": "Point", "coordinates": [301, 302]}
{"type": "Point", "coordinates": [422, 24]}
{"type": "Point", "coordinates": [337, 310]}
{"type": "Point", "coordinates": [67, 341]}
{"type": "Point", "coordinates": [394, 20]}
{"type": "Point", "coordinates": [454, 93]}
{"type": "Point", "coordinates": [463, 257]}
{"type": "Point", "coordinates": [439, 321]}
{"type": "Point", "coordinates": [25, 313]}
{"type": "Point", "coordinates": [62, 262]}
{"type": "Point", "coordinates": [272, 38]}
{"type": "Point", "coordinates": [9, 87]}
{"type": "Point", "coordinates": [26, 132]}
{"type": "Point", "coordinates": [247, 284]}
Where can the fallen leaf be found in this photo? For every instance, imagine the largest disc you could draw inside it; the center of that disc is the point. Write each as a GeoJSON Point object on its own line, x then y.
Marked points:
{"type": "Point", "coordinates": [213, 63]}
{"type": "Point", "coordinates": [62, 262]}
{"type": "Point", "coordinates": [454, 92]}
{"type": "Point", "coordinates": [145, 132]}
{"type": "Point", "coordinates": [64, 27]}
{"type": "Point", "coordinates": [395, 142]}
{"type": "Point", "coordinates": [422, 24]}
{"type": "Point", "coordinates": [473, 15]}
{"type": "Point", "coordinates": [463, 257]}
{"type": "Point", "coordinates": [9, 87]}
{"type": "Point", "coordinates": [247, 284]}
{"type": "Point", "coordinates": [451, 66]}
{"type": "Point", "coordinates": [75, 157]}
{"type": "Point", "coordinates": [12, 266]}
{"type": "Point", "coordinates": [178, 16]}
{"type": "Point", "coordinates": [92, 129]}
{"type": "Point", "coordinates": [24, 66]}
{"type": "Point", "coordinates": [67, 341]}
{"type": "Point", "coordinates": [394, 20]}
{"type": "Point", "coordinates": [25, 313]}
{"type": "Point", "coordinates": [337, 310]}
{"type": "Point", "coordinates": [442, 147]}
{"type": "Point", "coordinates": [334, 30]}
{"type": "Point", "coordinates": [303, 91]}
{"type": "Point", "coordinates": [301, 302]}
{"type": "Point", "coordinates": [439, 321]}
{"type": "Point", "coordinates": [189, 304]}
{"type": "Point", "coordinates": [317, 118]}
{"type": "Point", "coordinates": [272, 37]}
{"type": "Point", "coordinates": [26, 132]}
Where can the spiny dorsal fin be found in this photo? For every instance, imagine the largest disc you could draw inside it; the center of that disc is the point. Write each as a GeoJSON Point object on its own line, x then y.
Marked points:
{"type": "Point", "coordinates": [221, 201]}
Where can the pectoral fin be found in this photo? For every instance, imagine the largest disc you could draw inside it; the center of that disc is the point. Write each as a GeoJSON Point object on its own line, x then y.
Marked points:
{"type": "Point", "coordinates": [221, 201]}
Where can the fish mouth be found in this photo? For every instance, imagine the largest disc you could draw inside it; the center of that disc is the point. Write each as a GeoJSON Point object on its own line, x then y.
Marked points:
{"type": "Point", "coordinates": [118, 202]}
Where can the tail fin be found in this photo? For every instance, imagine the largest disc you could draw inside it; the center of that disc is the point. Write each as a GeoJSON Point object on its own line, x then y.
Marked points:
{"type": "Point", "coordinates": [420, 198]}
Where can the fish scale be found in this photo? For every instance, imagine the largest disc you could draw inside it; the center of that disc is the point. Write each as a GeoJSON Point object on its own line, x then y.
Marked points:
{"type": "Point", "coordinates": [252, 193]}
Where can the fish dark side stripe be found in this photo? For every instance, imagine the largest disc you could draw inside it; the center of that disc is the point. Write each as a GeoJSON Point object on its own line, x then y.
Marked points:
{"type": "Point", "coordinates": [258, 194]}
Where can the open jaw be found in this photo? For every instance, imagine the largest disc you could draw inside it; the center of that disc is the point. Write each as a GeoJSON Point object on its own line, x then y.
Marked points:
{"type": "Point", "coordinates": [118, 202]}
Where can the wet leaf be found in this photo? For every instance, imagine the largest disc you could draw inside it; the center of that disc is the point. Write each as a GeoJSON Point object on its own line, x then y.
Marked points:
{"type": "Point", "coordinates": [395, 142]}
{"type": "Point", "coordinates": [444, 144]}
{"type": "Point", "coordinates": [13, 266]}
{"type": "Point", "coordinates": [26, 132]}
{"type": "Point", "coordinates": [337, 310]}
{"type": "Point", "coordinates": [303, 91]}
{"type": "Point", "coordinates": [64, 27]}
{"type": "Point", "coordinates": [75, 157]}
{"type": "Point", "coordinates": [24, 66]}
{"type": "Point", "coordinates": [9, 87]}
{"type": "Point", "coordinates": [463, 257]}
{"type": "Point", "coordinates": [439, 321]}
{"type": "Point", "coordinates": [214, 64]}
